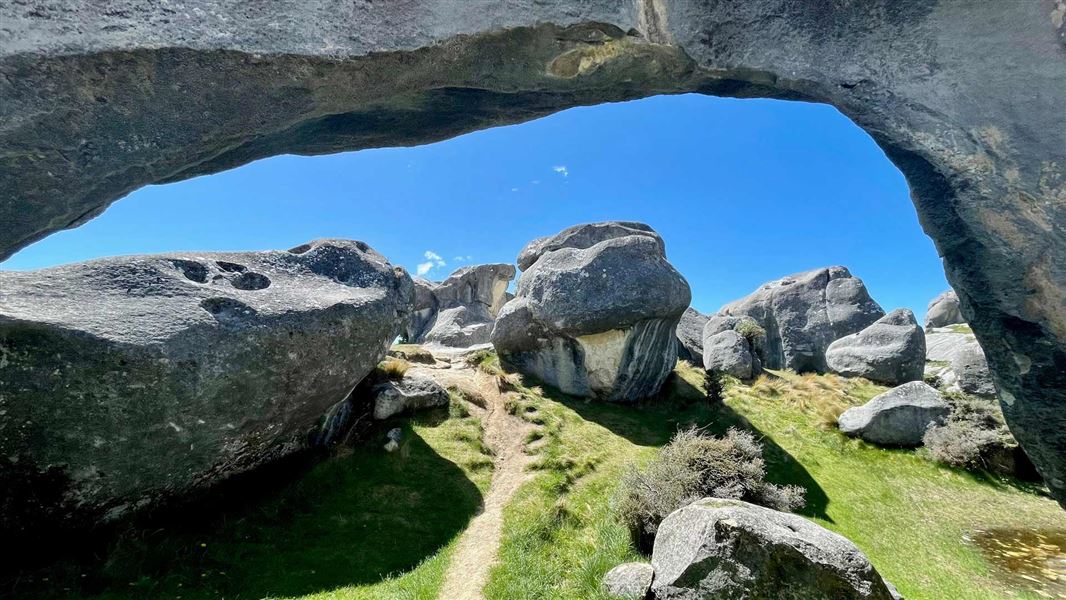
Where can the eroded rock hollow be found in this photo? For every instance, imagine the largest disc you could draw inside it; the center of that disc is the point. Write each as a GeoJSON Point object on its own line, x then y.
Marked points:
{"type": "Point", "coordinates": [965, 98]}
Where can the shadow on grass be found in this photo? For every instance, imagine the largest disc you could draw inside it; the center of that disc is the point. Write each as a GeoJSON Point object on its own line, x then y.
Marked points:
{"type": "Point", "coordinates": [348, 520]}
{"type": "Point", "coordinates": [654, 422]}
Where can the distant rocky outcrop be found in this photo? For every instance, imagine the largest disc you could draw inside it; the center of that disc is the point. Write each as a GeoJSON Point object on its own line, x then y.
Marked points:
{"type": "Point", "coordinates": [460, 310]}
{"type": "Point", "coordinates": [596, 321]}
{"type": "Point", "coordinates": [899, 417]}
{"type": "Point", "coordinates": [408, 394]}
{"type": "Point", "coordinates": [804, 313]}
{"type": "Point", "coordinates": [690, 336]}
{"type": "Point", "coordinates": [944, 310]}
{"type": "Point", "coordinates": [717, 548]}
{"type": "Point", "coordinates": [133, 379]}
{"type": "Point", "coordinates": [890, 351]}
{"type": "Point", "coordinates": [585, 236]}
{"type": "Point", "coordinates": [957, 361]}
{"type": "Point", "coordinates": [734, 346]}
{"type": "Point", "coordinates": [972, 374]}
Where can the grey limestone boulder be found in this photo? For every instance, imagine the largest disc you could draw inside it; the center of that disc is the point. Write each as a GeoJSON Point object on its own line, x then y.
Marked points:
{"type": "Point", "coordinates": [731, 550]}
{"type": "Point", "coordinates": [408, 394]}
{"type": "Point", "coordinates": [630, 581]}
{"type": "Point", "coordinates": [728, 352]}
{"type": "Point", "coordinates": [598, 321]}
{"type": "Point", "coordinates": [690, 336]}
{"type": "Point", "coordinates": [943, 310]}
{"type": "Point", "coordinates": [898, 417]}
{"type": "Point", "coordinates": [459, 311]}
{"type": "Point", "coordinates": [970, 367]}
{"type": "Point", "coordinates": [804, 313]}
{"type": "Point", "coordinates": [584, 236]}
{"type": "Point", "coordinates": [890, 351]}
{"type": "Point", "coordinates": [133, 379]}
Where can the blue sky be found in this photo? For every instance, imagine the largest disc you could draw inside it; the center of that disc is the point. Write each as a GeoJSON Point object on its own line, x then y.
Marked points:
{"type": "Point", "coordinates": [743, 191]}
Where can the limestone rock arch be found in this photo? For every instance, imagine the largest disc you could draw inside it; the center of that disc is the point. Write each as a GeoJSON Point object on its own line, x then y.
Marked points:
{"type": "Point", "coordinates": [967, 98]}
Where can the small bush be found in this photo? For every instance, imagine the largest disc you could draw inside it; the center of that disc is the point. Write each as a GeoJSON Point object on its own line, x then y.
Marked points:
{"type": "Point", "coordinates": [752, 332]}
{"type": "Point", "coordinates": [975, 436]}
{"type": "Point", "coordinates": [390, 369]}
{"type": "Point", "coordinates": [695, 465]}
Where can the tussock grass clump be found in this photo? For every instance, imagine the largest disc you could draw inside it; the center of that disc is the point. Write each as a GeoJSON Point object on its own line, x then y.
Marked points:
{"type": "Point", "coordinates": [412, 353]}
{"type": "Point", "coordinates": [695, 465]}
{"type": "Point", "coordinates": [975, 437]}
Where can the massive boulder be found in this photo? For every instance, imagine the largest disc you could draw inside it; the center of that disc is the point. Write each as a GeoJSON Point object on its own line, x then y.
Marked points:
{"type": "Point", "coordinates": [585, 235]}
{"type": "Point", "coordinates": [731, 550]}
{"type": "Point", "coordinates": [898, 417]}
{"type": "Point", "coordinates": [944, 310]}
{"type": "Point", "coordinates": [690, 336]}
{"type": "Point", "coordinates": [129, 380]}
{"type": "Point", "coordinates": [890, 351]}
{"type": "Point", "coordinates": [729, 353]}
{"type": "Point", "coordinates": [598, 321]}
{"type": "Point", "coordinates": [804, 313]}
{"type": "Point", "coordinates": [460, 310]}
{"type": "Point", "coordinates": [97, 103]}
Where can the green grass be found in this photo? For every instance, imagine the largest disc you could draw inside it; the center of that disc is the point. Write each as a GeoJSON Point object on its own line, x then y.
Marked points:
{"type": "Point", "coordinates": [364, 524]}
{"type": "Point", "coordinates": [961, 328]}
{"type": "Point", "coordinates": [908, 514]}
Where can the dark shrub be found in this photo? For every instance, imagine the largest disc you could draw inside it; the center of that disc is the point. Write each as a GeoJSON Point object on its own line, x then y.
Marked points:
{"type": "Point", "coordinates": [695, 465]}
{"type": "Point", "coordinates": [976, 437]}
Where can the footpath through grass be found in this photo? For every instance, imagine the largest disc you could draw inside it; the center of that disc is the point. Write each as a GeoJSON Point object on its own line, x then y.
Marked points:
{"type": "Point", "coordinates": [909, 515]}
{"type": "Point", "coordinates": [363, 525]}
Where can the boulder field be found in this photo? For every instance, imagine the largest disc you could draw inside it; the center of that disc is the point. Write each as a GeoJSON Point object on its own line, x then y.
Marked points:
{"type": "Point", "coordinates": [97, 103]}
{"type": "Point", "coordinates": [126, 381]}
{"type": "Point", "coordinates": [595, 320]}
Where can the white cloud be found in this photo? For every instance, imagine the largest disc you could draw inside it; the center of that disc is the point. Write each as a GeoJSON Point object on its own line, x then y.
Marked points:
{"type": "Point", "coordinates": [423, 268]}
{"type": "Point", "coordinates": [431, 255]}
{"type": "Point", "coordinates": [562, 170]}
{"type": "Point", "coordinates": [433, 261]}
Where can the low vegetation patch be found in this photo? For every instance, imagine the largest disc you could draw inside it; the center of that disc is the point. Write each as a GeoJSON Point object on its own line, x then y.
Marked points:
{"type": "Point", "coordinates": [975, 437]}
{"type": "Point", "coordinates": [694, 465]}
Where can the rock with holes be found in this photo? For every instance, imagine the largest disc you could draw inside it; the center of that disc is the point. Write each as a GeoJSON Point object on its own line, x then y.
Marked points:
{"type": "Point", "coordinates": [898, 417]}
{"type": "Point", "coordinates": [804, 313]}
{"type": "Point", "coordinates": [408, 394]}
{"type": "Point", "coordinates": [629, 581]}
{"type": "Point", "coordinates": [731, 550]}
{"type": "Point", "coordinates": [944, 310]}
{"type": "Point", "coordinates": [690, 336]}
{"type": "Point", "coordinates": [890, 351]}
{"type": "Point", "coordinates": [598, 321]}
{"type": "Point", "coordinates": [467, 303]}
{"type": "Point", "coordinates": [126, 381]}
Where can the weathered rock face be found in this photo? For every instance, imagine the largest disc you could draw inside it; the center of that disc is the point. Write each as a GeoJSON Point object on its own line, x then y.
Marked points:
{"type": "Point", "coordinates": [126, 380]}
{"type": "Point", "coordinates": [732, 550]}
{"type": "Point", "coordinates": [971, 370]}
{"type": "Point", "coordinates": [598, 321]}
{"type": "Point", "coordinates": [460, 310]}
{"type": "Point", "coordinates": [804, 313]}
{"type": "Point", "coordinates": [630, 581]}
{"type": "Point", "coordinates": [728, 352]}
{"type": "Point", "coordinates": [98, 103]}
{"type": "Point", "coordinates": [690, 336]}
{"type": "Point", "coordinates": [423, 312]}
{"type": "Point", "coordinates": [408, 394]}
{"type": "Point", "coordinates": [890, 351]}
{"type": "Point", "coordinates": [584, 236]}
{"type": "Point", "coordinates": [944, 310]}
{"type": "Point", "coordinates": [898, 417]}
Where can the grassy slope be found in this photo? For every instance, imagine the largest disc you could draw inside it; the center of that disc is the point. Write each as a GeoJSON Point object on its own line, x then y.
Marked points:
{"type": "Point", "coordinates": [345, 525]}
{"type": "Point", "coordinates": [907, 514]}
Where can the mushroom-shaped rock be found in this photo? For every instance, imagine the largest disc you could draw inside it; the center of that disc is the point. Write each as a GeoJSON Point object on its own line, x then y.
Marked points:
{"type": "Point", "coordinates": [629, 581]}
{"type": "Point", "coordinates": [585, 236]}
{"type": "Point", "coordinates": [898, 417]}
{"type": "Point", "coordinates": [408, 394]}
{"type": "Point", "coordinates": [690, 336]}
{"type": "Point", "coordinates": [943, 310]}
{"type": "Point", "coordinates": [598, 321]}
{"type": "Point", "coordinates": [729, 549]}
{"type": "Point", "coordinates": [804, 313]}
{"type": "Point", "coordinates": [127, 380]}
{"type": "Point", "coordinates": [889, 351]}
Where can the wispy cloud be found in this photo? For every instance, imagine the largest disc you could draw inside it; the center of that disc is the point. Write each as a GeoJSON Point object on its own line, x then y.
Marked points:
{"type": "Point", "coordinates": [562, 170]}
{"type": "Point", "coordinates": [433, 261]}
{"type": "Point", "coordinates": [466, 258]}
